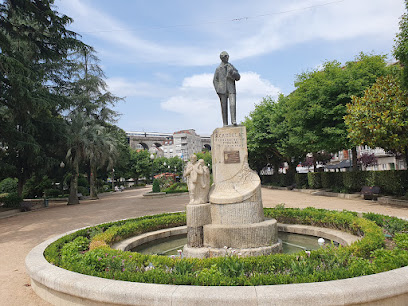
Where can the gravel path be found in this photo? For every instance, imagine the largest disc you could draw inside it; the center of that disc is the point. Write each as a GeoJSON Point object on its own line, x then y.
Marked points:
{"type": "Point", "coordinates": [20, 233]}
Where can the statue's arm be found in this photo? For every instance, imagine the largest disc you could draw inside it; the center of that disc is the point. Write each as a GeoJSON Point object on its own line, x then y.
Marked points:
{"type": "Point", "coordinates": [215, 79]}
{"type": "Point", "coordinates": [234, 73]}
{"type": "Point", "coordinates": [187, 171]}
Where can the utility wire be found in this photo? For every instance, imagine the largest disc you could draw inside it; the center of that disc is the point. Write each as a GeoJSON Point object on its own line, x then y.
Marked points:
{"type": "Point", "coordinates": [220, 21]}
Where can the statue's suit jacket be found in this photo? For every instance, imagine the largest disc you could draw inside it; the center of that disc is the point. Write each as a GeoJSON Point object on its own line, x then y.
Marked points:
{"type": "Point", "coordinates": [224, 79]}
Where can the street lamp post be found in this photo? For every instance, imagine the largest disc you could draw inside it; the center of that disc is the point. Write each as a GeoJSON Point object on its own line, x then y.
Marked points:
{"type": "Point", "coordinates": [113, 179]}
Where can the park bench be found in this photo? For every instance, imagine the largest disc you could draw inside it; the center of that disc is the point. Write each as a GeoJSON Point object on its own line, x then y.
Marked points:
{"type": "Point", "coordinates": [80, 196]}
{"type": "Point", "coordinates": [370, 193]}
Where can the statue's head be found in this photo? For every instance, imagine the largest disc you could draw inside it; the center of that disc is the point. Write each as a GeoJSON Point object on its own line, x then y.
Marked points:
{"type": "Point", "coordinates": [201, 161]}
{"type": "Point", "coordinates": [193, 158]}
{"type": "Point", "coordinates": [224, 56]}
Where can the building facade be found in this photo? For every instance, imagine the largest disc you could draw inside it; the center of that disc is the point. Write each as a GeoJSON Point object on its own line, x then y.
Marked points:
{"type": "Point", "coordinates": [181, 143]}
{"type": "Point", "coordinates": [384, 160]}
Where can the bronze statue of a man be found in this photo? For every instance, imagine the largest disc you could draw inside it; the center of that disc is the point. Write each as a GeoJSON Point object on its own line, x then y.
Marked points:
{"type": "Point", "coordinates": [224, 83]}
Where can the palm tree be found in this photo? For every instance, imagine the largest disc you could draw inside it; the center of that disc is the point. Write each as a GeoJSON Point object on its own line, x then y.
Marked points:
{"type": "Point", "coordinates": [81, 132]}
{"type": "Point", "coordinates": [101, 150]}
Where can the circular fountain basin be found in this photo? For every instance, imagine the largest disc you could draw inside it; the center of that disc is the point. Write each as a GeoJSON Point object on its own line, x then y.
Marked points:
{"type": "Point", "coordinates": [172, 245]}
{"type": "Point", "coordinates": [62, 287]}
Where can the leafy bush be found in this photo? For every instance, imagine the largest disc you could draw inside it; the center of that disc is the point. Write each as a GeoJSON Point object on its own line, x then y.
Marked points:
{"type": "Point", "coordinates": [156, 186]}
{"type": "Point", "coordinates": [391, 225]}
{"type": "Point", "coordinates": [391, 182]}
{"type": "Point", "coordinates": [176, 188]}
{"type": "Point", "coordinates": [301, 180]}
{"type": "Point", "coordinates": [364, 257]}
{"type": "Point", "coordinates": [165, 182]}
{"type": "Point", "coordinates": [327, 179]}
{"type": "Point", "coordinates": [11, 200]}
{"type": "Point", "coordinates": [314, 180]}
{"type": "Point", "coordinates": [83, 190]}
{"type": "Point", "coordinates": [8, 185]}
{"type": "Point", "coordinates": [83, 181]}
{"type": "Point", "coordinates": [35, 186]}
{"type": "Point", "coordinates": [52, 193]}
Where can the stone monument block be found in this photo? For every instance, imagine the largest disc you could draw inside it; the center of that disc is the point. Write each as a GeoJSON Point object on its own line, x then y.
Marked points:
{"type": "Point", "coordinates": [234, 181]}
{"type": "Point", "coordinates": [241, 236]}
{"type": "Point", "coordinates": [234, 217]}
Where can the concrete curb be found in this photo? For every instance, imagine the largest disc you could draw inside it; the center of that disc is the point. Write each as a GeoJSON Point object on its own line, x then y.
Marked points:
{"type": "Point", "coordinates": [62, 287]}
{"type": "Point", "coordinates": [392, 201]}
{"type": "Point", "coordinates": [155, 195]}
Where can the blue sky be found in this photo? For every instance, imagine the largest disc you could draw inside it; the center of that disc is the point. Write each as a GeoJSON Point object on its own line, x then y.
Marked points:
{"type": "Point", "coordinates": [161, 55]}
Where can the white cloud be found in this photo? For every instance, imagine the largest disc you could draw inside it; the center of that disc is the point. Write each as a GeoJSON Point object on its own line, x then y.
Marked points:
{"type": "Point", "coordinates": [127, 88]}
{"type": "Point", "coordinates": [199, 105]}
{"type": "Point", "coordinates": [267, 31]}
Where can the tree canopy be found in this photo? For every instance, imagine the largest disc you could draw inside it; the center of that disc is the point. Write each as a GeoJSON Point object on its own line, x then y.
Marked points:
{"type": "Point", "coordinates": [311, 118]}
{"type": "Point", "coordinates": [380, 117]}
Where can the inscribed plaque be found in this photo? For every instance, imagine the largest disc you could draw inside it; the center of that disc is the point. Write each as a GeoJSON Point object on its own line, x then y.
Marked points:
{"type": "Point", "coordinates": [231, 157]}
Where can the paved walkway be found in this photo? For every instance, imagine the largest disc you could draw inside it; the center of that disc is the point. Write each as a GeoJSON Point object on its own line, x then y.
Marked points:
{"type": "Point", "coordinates": [20, 233]}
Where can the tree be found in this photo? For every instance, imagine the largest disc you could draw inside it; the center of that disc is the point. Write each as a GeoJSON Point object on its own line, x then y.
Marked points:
{"type": "Point", "coordinates": [380, 117]}
{"type": "Point", "coordinates": [81, 133]}
{"type": "Point", "coordinates": [88, 94]}
{"type": "Point", "coordinates": [261, 139]}
{"type": "Point", "coordinates": [367, 160]}
{"type": "Point", "coordinates": [88, 90]}
{"type": "Point", "coordinates": [102, 149]}
{"type": "Point", "coordinates": [33, 62]}
{"type": "Point", "coordinates": [317, 107]}
{"type": "Point", "coordinates": [140, 164]}
{"type": "Point", "coordinates": [401, 46]}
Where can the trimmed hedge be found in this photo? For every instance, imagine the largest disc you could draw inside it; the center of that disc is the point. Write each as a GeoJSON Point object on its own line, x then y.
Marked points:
{"type": "Point", "coordinates": [87, 251]}
{"type": "Point", "coordinates": [391, 182]}
{"type": "Point", "coordinates": [156, 186]}
{"type": "Point", "coordinates": [177, 188]}
{"type": "Point", "coordinates": [11, 200]}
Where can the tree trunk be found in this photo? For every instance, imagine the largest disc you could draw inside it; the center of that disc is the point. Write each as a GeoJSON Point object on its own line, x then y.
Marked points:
{"type": "Point", "coordinates": [354, 158]}
{"type": "Point", "coordinates": [20, 184]}
{"type": "Point", "coordinates": [73, 188]}
{"type": "Point", "coordinates": [406, 157]}
{"type": "Point", "coordinates": [92, 183]}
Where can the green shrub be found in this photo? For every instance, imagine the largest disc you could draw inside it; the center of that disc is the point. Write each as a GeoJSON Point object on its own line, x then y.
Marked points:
{"type": "Point", "coordinates": [35, 186]}
{"type": "Point", "coordinates": [327, 179]}
{"type": "Point", "coordinates": [52, 193]}
{"type": "Point", "coordinates": [391, 225]}
{"type": "Point", "coordinates": [391, 182]}
{"type": "Point", "coordinates": [165, 182]}
{"type": "Point", "coordinates": [364, 257]}
{"type": "Point", "coordinates": [11, 200]}
{"type": "Point", "coordinates": [353, 181]}
{"type": "Point", "coordinates": [176, 188]}
{"type": "Point", "coordinates": [8, 185]}
{"type": "Point", "coordinates": [314, 180]}
{"type": "Point", "coordinates": [83, 190]}
{"type": "Point", "coordinates": [83, 181]}
{"type": "Point", "coordinates": [401, 240]}
{"type": "Point", "coordinates": [301, 180]}
{"type": "Point", "coordinates": [156, 186]}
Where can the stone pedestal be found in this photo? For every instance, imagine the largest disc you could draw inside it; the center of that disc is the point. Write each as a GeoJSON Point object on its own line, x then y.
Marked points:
{"type": "Point", "coordinates": [236, 218]}
{"type": "Point", "coordinates": [197, 216]}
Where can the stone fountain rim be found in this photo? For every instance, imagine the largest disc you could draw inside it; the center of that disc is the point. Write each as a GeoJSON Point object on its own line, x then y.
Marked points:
{"type": "Point", "coordinates": [57, 285]}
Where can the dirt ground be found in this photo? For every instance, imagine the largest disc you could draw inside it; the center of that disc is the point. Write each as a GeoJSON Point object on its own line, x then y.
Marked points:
{"type": "Point", "coordinates": [20, 233]}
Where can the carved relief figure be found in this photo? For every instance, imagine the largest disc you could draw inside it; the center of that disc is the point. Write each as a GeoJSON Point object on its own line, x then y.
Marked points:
{"type": "Point", "coordinates": [198, 180]}
{"type": "Point", "coordinates": [224, 83]}
{"type": "Point", "coordinates": [204, 182]}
